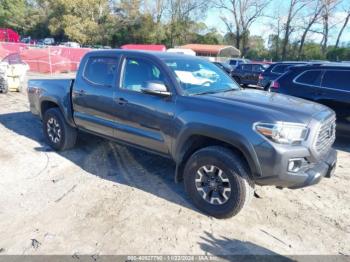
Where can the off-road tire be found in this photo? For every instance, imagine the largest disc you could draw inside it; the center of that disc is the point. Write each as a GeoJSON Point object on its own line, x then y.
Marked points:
{"type": "Point", "coordinates": [68, 134]}
{"type": "Point", "coordinates": [235, 169]}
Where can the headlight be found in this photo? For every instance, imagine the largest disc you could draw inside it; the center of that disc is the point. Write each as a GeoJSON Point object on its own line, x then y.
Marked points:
{"type": "Point", "coordinates": [283, 132]}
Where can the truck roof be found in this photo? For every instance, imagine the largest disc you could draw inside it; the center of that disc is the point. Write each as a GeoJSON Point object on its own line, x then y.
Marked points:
{"type": "Point", "coordinates": [160, 55]}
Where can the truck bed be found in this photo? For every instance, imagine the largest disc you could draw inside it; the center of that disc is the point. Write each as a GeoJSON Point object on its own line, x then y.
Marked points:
{"type": "Point", "coordinates": [56, 90]}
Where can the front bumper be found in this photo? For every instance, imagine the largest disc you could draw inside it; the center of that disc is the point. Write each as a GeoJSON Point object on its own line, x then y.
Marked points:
{"type": "Point", "coordinates": [309, 175]}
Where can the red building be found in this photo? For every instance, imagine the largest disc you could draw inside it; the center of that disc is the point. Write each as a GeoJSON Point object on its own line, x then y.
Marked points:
{"type": "Point", "coordinates": [8, 35]}
{"type": "Point", "coordinates": [159, 48]}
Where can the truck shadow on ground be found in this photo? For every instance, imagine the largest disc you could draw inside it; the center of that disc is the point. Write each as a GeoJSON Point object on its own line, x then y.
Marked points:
{"type": "Point", "coordinates": [120, 164]}
{"type": "Point", "coordinates": [236, 250]}
{"type": "Point", "coordinates": [108, 160]}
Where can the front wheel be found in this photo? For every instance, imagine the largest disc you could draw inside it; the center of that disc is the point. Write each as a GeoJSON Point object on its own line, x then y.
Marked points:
{"type": "Point", "coordinates": [59, 135]}
{"type": "Point", "coordinates": [217, 181]}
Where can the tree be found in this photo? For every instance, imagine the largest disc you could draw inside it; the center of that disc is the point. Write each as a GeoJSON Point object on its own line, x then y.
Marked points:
{"type": "Point", "coordinates": [294, 8]}
{"type": "Point", "coordinates": [242, 14]}
{"type": "Point", "coordinates": [83, 21]}
{"type": "Point", "coordinates": [316, 8]}
{"type": "Point", "coordinates": [181, 14]}
{"type": "Point", "coordinates": [338, 54]}
{"type": "Point", "coordinates": [328, 8]}
{"type": "Point", "coordinates": [275, 38]}
{"type": "Point", "coordinates": [39, 16]}
{"type": "Point", "coordinates": [346, 21]}
{"type": "Point", "coordinates": [257, 48]}
{"type": "Point", "coordinates": [14, 14]}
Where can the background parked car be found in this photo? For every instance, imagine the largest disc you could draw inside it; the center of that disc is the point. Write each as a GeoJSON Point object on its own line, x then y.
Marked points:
{"type": "Point", "coordinates": [236, 62]}
{"type": "Point", "coordinates": [224, 67]}
{"type": "Point", "coordinates": [247, 74]}
{"type": "Point", "coordinates": [274, 71]}
{"type": "Point", "coordinates": [326, 84]}
{"type": "Point", "coordinates": [70, 44]}
{"type": "Point", "coordinates": [49, 41]}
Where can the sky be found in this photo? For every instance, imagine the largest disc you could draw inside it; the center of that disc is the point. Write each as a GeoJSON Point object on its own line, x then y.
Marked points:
{"type": "Point", "coordinates": [262, 27]}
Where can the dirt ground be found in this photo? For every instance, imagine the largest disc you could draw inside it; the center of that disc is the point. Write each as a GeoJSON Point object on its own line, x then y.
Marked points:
{"type": "Point", "coordinates": [101, 198]}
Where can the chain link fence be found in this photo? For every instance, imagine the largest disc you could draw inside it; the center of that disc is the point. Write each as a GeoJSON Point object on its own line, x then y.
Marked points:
{"type": "Point", "coordinates": [45, 59]}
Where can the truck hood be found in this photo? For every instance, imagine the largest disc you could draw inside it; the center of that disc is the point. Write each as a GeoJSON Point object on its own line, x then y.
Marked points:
{"type": "Point", "coordinates": [275, 106]}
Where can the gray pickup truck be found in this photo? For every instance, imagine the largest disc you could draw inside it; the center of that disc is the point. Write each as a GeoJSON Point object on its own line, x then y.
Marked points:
{"type": "Point", "coordinates": [224, 140]}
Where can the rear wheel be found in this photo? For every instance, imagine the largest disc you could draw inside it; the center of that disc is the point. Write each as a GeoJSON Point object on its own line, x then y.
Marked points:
{"type": "Point", "coordinates": [60, 136]}
{"type": "Point", "coordinates": [217, 181]}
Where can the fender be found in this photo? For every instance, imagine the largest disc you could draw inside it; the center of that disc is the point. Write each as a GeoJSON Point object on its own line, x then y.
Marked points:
{"type": "Point", "coordinates": [65, 107]}
{"type": "Point", "coordinates": [230, 137]}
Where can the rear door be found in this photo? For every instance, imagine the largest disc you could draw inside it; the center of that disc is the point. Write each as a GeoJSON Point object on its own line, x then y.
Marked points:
{"type": "Point", "coordinates": [92, 96]}
{"type": "Point", "coordinates": [335, 93]}
{"type": "Point", "coordinates": [143, 119]}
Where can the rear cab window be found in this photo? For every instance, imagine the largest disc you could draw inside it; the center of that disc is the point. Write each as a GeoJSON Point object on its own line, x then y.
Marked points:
{"type": "Point", "coordinates": [337, 79]}
{"type": "Point", "coordinates": [101, 71]}
{"type": "Point", "coordinates": [310, 77]}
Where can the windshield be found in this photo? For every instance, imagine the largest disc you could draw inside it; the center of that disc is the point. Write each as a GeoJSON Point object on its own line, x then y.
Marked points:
{"type": "Point", "coordinates": [200, 77]}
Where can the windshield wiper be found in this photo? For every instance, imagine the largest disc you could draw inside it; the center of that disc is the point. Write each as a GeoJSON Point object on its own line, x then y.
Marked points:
{"type": "Point", "coordinates": [207, 93]}
{"type": "Point", "coordinates": [216, 91]}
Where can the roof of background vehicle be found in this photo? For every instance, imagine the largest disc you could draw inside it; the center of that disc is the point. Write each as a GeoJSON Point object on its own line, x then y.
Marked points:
{"type": "Point", "coordinates": [290, 62]}
{"type": "Point", "coordinates": [212, 49]}
{"type": "Point", "coordinates": [324, 66]}
{"type": "Point", "coordinates": [252, 63]}
{"type": "Point", "coordinates": [320, 66]}
{"type": "Point", "coordinates": [238, 59]}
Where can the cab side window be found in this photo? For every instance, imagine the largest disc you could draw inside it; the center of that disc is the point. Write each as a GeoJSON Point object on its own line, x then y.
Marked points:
{"type": "Point", "coordinates": [101, 70]}
{"type": "Point", "coordinates": [138, 72]}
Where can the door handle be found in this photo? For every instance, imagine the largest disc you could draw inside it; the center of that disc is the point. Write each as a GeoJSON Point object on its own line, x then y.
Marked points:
{"type": "Point", "coordinates": [80, 92]}
{"type": "Point", "coordinates": [121, 101]}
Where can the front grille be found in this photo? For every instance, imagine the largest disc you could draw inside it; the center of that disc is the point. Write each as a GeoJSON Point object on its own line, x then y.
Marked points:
{"type": "Point", "coordinates": [325, 136]}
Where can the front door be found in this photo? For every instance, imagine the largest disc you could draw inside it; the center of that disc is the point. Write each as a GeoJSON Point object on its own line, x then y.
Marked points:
{"type": "Point", "coordinates": [143, 119]}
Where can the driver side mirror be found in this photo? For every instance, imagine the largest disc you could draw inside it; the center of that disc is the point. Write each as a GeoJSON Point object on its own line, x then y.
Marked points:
{"type": "Point", "coordinates": [156, 88]}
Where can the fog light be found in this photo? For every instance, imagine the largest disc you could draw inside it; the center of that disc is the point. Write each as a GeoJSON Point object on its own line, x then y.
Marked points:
{"type": "Point", "coordinates": [294, 165]}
